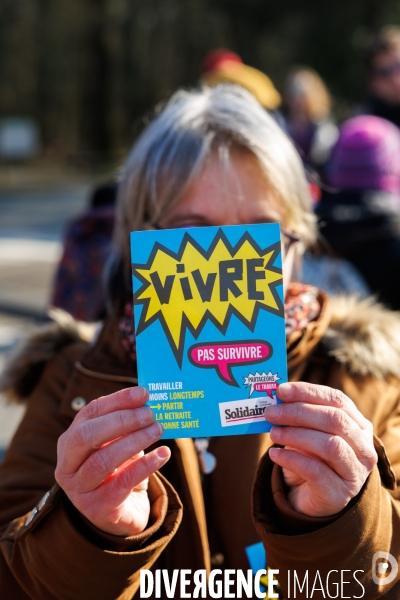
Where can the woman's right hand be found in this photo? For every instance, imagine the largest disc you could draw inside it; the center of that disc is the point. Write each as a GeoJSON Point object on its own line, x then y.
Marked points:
{"type": "Point", "coordinates": [101, 465]}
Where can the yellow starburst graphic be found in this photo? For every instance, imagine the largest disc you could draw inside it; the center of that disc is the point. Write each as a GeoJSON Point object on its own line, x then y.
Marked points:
{"type": "Point", "coordinates": [184, 290]}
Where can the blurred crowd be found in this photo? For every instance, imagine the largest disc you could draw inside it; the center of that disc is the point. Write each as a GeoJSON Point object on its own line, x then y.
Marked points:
{"type": "Point", "coordinates": [353, 171]}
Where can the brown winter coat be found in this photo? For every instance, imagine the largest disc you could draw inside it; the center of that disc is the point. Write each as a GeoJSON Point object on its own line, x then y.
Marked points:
{"type": "Point", "coordinates": [59, 555]}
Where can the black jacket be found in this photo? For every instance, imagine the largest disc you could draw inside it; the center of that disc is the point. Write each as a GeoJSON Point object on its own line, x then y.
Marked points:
{"type": "Point", "coordinates": [363, 226]}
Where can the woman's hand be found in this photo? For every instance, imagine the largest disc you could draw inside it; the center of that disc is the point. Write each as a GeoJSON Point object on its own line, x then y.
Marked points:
{"type": "Point", "coordinates": [101, 465]}
{"type": "Point", "coordinates": [329, 450]}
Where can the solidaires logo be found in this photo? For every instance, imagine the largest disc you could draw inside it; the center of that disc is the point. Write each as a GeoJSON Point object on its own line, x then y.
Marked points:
{"type": "Point", "coordinates": [242, 412]}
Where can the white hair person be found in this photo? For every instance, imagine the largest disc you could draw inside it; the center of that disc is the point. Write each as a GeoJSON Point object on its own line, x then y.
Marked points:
{"type": "Point", "coordinates": [173, 150]}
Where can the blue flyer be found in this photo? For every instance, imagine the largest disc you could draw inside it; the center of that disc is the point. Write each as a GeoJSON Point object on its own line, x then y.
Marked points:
{"type": "Point", "coordinates": [210, 327]}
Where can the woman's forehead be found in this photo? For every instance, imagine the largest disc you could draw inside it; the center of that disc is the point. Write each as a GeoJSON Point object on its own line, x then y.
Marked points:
{"type": "Point", "coordinates": [229, 192]}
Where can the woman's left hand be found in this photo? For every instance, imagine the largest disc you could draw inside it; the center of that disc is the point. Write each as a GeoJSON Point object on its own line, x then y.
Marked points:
{"type": "Point", "coordinates": [329, 450]}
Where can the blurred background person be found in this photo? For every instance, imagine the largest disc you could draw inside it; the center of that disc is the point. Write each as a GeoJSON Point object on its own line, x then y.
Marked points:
{"type": "Point", "coordinates": [78, 284]}
{"type": "Point", "coordinates": [383, 75]}
{"type": "Point", "coordinates": [307, 110]}
{"type": "Point", "coordinates": [224, 66]}
{"type": "Point", "coordinates": [360, 214]}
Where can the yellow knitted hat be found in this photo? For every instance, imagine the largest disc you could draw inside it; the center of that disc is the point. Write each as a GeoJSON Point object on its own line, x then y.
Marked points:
{"type": "Point", "coordinates": [247, 77]}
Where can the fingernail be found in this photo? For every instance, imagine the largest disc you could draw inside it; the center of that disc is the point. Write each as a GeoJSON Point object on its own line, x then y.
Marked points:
{"type": "Point", "coordinates": [274, 452]}
{"type": "Point", "coordinates": [285, 391]}
{"type": "Point", "coordinates": [273, 411]}
{"type": "Point", "coordinates": [163, 452]}
{"type": "Point", "coordinates": [155, 430]}
{"type": "Point", "coordinates": [276, 433]}
{"type": "Point", "coordinates": [145, 415]}
{"type": "Point", "coordinates": [139, 392]}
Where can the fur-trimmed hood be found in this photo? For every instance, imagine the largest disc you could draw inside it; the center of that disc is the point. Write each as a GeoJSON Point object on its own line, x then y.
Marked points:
{"type": "Point", "coordinates": [27, 361]}
{"type": "Point", "coordinates": [362, 335]}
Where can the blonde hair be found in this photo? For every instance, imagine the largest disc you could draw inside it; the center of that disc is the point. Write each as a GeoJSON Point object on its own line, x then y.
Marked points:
{"type": "Point", "coordinates": [307, 82]}
{"type": "Point", "coordinates": [173, 149]}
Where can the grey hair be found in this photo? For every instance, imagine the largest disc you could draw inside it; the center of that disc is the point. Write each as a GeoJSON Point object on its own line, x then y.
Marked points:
{"type": "Point", "coordinates": [172, 151]}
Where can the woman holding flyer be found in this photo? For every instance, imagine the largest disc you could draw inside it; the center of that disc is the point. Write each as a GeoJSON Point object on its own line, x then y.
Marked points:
{"type": "Point", "coordinates": [82, 509]}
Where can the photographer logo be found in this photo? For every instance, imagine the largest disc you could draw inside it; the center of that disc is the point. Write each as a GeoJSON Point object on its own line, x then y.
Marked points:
{"type": "Point", "coordinates": [380, 568]}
